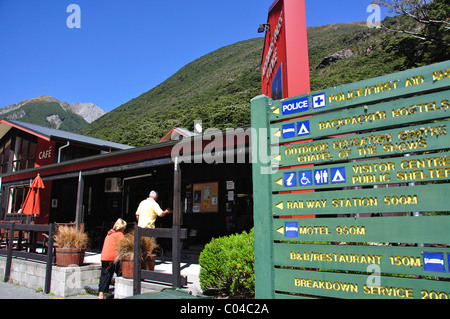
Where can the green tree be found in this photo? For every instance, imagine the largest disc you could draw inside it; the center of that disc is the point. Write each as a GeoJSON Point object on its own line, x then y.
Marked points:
{"type": "Point", "coordinates": [430, 19]}
{"type": "Point", "coordinates": [422, 30]}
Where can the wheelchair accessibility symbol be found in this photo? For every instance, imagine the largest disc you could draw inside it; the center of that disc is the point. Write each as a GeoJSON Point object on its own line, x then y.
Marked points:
{"type": "Point", "coordinates": [305, 178]}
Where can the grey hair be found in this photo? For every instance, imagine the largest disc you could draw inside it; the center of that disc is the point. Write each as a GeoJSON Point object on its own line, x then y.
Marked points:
{"type": "Point", "coordinates": [153, 194]}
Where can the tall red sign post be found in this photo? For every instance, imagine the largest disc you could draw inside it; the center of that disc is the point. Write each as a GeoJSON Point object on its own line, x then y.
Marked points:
{"type": "Point", "coordinates": [285, 63]}
{"type": "Point", "coordinates": [285, 73]}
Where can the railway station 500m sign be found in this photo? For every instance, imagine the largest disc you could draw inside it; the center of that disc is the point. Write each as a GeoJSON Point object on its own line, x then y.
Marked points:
{"type": "Point", "coordinates": [354, 202]}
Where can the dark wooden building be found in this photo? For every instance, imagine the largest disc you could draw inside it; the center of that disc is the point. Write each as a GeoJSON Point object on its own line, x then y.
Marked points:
{"type": "Point", "coordinates": [94, 182]}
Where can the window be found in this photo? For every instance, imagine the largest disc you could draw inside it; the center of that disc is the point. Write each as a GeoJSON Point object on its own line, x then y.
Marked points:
{"type": "Point", "coordinates": [17, 196]}
{"type": "Point", "coordinates": [4, 155]}
{"type": "Point", "coordinates": [26, 156]}
{"type": "Point", "coordinates": [17, 151]}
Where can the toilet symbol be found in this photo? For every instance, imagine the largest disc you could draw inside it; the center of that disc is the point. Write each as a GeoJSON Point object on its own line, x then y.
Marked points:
{"type": "Point", "coordinates": [321, 177]}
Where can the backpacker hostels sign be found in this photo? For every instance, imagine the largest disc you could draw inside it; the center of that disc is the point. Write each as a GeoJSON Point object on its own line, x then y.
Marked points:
{"type": "Point", "coordinates": [371, 161]}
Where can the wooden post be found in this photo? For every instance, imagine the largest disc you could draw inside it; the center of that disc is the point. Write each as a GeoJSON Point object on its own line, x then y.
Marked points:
{"type": "Point", "coordinates": [176, 244]}
{"type": "Point", "coordinates": [10, 252]}
{"type": "Point", "coordinates": [137, 261]}
{"type": "Point", "coordinates": [79, 208]}
{"type": "Point", "coordinates": [49, 265]}
{"type": "Point", "coordinates": [264, 274]}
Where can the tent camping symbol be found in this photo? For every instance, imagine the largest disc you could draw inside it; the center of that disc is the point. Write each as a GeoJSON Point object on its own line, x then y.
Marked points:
{"type": "Point", "coordinates": [303, 128]}
{"type": "Point", "coordinates": [338, 175]}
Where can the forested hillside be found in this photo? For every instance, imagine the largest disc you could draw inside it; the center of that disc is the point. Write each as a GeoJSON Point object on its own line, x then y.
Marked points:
{"type": "Point", "coordinates": [218, 87]}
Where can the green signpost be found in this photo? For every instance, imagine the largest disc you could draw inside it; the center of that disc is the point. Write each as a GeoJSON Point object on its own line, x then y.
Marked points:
{"type": "Point", "coordinates": [350, 187]}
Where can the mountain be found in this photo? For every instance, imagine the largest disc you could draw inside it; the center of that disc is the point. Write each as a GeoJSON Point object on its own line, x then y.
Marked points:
{"type": "Point", "coordinates": [88, 111]}
{"type": "Point", "coordinates": [217, 88]}
{"type": "Point", "coordinates": [50, 112]}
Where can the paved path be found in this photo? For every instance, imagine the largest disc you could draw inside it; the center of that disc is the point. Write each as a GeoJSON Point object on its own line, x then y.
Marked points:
{"type": "Point", "coordinates": [189, 269]}
{"type": "Point", "coordinates": [12, 291]}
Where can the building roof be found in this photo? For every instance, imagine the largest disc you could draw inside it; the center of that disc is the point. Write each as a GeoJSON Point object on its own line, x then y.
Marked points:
{"type": "Point", "coordinates": [143, 156]}
{"type": "Point", "coordinates": [177, 133]}
{"type": "Point", "coordinates": [50, 134]}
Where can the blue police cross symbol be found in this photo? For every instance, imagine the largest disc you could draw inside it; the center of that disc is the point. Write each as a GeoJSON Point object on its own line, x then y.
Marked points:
{"type": "Point", "coordinates": [319, 101]}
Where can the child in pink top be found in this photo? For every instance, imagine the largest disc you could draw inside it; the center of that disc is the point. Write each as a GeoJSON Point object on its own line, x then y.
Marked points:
{"type": "Point", "coordinates": [109, 253]}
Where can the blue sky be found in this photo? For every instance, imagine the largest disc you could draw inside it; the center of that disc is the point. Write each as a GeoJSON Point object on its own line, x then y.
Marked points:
{"type": "Point", "coordinates": [126, 47]}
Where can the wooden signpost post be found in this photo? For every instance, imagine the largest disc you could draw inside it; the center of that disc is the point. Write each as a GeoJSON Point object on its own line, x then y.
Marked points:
{"type": "Point", "coordinates": [353, 203]}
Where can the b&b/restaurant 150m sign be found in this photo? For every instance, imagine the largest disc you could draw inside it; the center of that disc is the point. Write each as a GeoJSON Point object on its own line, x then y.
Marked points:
{"type": "Point", "coordinates": [354, 203]}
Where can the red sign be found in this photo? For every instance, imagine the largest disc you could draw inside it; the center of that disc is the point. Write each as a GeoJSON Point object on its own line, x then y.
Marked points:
{"type": "Point", "coordinates": [285, 62]}
{"type": "Point", "coordinates": [45, 154]}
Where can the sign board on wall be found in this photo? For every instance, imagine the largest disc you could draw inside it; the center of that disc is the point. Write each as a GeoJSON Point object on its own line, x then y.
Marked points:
{"type": "Point", "coordinates": [45, 154]}
{"type": "Point", "coordinates": [285, 64]}
{"type": "Point", "coordinates": [206, 198]}
{"type": "Point", "coordinates": [379, 148]}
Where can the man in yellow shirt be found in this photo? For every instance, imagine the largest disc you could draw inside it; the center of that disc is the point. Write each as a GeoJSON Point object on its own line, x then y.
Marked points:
{"type": "Point", "coordinates": [149, 210]}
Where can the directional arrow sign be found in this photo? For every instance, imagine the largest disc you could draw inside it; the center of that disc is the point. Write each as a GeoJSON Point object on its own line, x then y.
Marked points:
{"type": "Point", "coordinates": [381, 143]}
{"type": "Point", "coordinates": [393, 113]}
{"type": "Point", "coordinates": [422, 198]}
{"type": "Point", "coordinates": [419, 80]}
{"type": "Point", "coordinates": [421, 168]}
{"type": "Point", "coordinates": [281, 230]}
{"type": "Point", "coordinates": [280, 205]}
{"type": "Point", "coordinates": [396, 229]}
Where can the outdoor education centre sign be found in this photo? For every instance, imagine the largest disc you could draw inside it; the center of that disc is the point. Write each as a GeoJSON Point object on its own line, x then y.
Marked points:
{"type": "Point", "coordinates": [353, 201]}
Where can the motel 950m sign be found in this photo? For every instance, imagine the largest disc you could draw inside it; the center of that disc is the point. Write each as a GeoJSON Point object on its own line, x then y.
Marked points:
{"type": "Point", "coordinates": [354, 202]}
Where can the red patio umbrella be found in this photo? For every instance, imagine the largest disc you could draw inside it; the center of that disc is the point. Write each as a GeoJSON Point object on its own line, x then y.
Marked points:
{"type": "Point", "coordinates": [32, 205]}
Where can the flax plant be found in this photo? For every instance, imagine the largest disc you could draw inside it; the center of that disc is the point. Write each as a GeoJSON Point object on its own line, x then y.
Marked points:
{"type": "Point", "coordinates": [71, 237]}
{"type": "Point", "coordinates": [126, 247]}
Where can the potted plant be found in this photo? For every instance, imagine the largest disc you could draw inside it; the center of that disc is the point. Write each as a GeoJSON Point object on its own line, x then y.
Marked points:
{"type": "Point", "coordinates": [71, 244]}
{"type": "Point", "coordinates": [125, 254]}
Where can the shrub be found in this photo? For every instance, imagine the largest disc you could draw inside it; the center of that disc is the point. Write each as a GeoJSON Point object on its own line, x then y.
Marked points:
{"type": "Point", "coordinates": [227, 265]}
